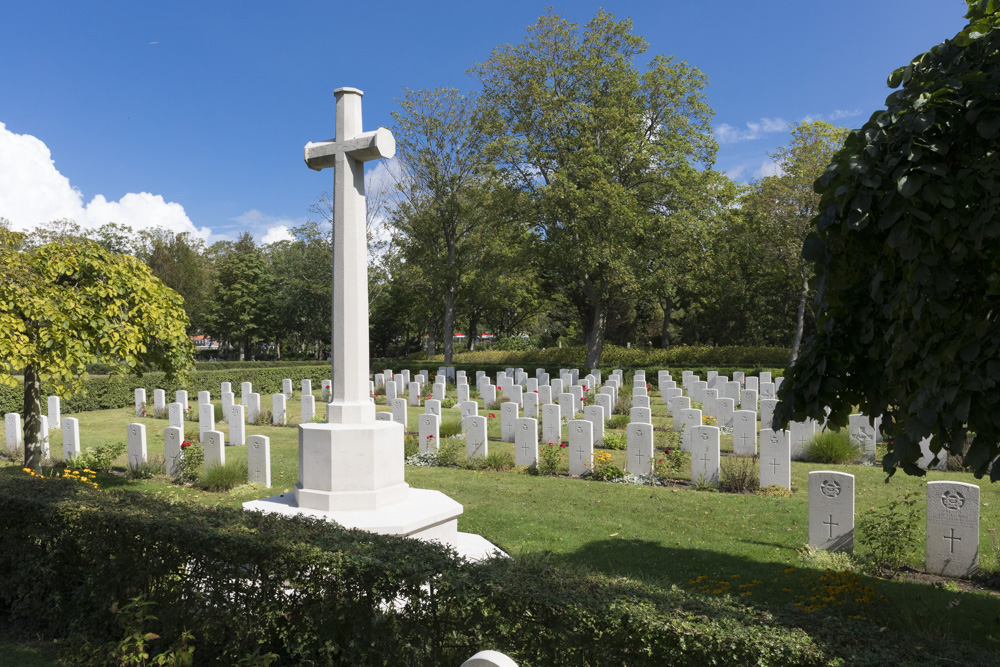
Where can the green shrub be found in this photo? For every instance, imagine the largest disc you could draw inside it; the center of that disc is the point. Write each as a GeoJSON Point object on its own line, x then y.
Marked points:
{"type": "Point", "coordinates": [224, 477]}
{"type": "Point", "coordinates": [450, 451]}
{"type": "Point", "coordinates": [101, 457]}
{"type": "Point", "coordinates": [152, 466]}
{"type": "Point", "coordinates": [550, 457]}
{"type": "Point", "coordinates": [739, 474]}
{"type": "Point", "coordinates": [499, 461]}
{"type": "Point", "coordinates": [775, 491]}
{"type": "Point", "coordinates": [888, 535]}
{"type": "Point", "coordinates": [411, 445]}
{"type": "Point", "coordinates": [219, 416]}
{"type": "Point", "coordinates": [668, 464]}
{"type": "Point", "coordinates": [191, 461]}
{"type": "Point", "coordinates": [623, 405]}
{"type": "Point", "coordinates": [450, 428]}
{"type": "Point", "coordinates": [448, 403]}
{"type": "Point", "coordinates": [615, 422]}
{"type": "Point", "coordinates": [615, 440]}
{"type": "Point", "coordinates": [832, 447]}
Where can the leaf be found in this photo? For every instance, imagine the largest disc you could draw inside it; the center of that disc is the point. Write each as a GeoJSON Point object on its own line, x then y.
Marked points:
{"type": "Point", "coordinates": [908, 185]}
{"type": "Point", "coordinates": [987, 127]}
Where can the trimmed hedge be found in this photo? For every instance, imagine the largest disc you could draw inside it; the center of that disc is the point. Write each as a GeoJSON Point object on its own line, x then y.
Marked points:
{"type": "Point", "coordinates": [105, 369]}
{"type": "Point", "coordinates": [636, 357]}
{"type": "Point", "coordinates": [103, 393]}
{"type": "Point", "coordinates": [310, 592]}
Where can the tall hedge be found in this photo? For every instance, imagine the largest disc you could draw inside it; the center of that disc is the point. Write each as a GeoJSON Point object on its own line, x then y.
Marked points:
{"type": "Point", "coordinates": [312, 593]}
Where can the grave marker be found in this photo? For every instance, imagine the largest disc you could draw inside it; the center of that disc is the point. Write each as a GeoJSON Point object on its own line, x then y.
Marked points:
{"type": "Point", "coordinates": [140, 401]}
{"type": "Point", "coordinates": [206, 420]}
{"type": "Point", "coordinates": [259, 459]}
{"type": "Point", "coordinates": [831, 510]}
{"type": "Point", "coordinates": [526, 442]}
{"type": "Point", "coordinates": [71, 438]}
{"type": "Point", "coordinates": [308, 408]}
{"type": "Point", "coordinates": [745, 432]}
{"type": "Point", "coordinates": [278, 416]}
{"type": "Point", "coordinates": [581, 446]}
{"type": "Point", "coordinates": [775, 458]}
{"type": "Point", "coordinates": [475, 438]}
{"type": "Point", "coordinates": [705, 456]}
{"type": "Point", "coordinates": [551, 424]}
{"type": "Point", "coordinates": [136, 436]}
{"type": "Point", "coordinates": [54, 412]}
{"type": "Point", "coordinates": [215, 451]}
{"type": "Point", "coordinates": [429, 432]}
{"type": "Point", "coordinates": [508, 415]}
{"type": "Point", "coordinates": [952, 529]}
{"type": "Point", "coordinates": [639, 452]}
{"type": "Point", "coordinates": [172, 451]}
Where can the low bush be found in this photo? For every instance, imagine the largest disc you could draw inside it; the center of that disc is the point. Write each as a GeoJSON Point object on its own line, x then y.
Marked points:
{"type": "Point", "coordinates": [602, 469]}
{"type": "Point", "coordinates": [616, 422]}
{"type": "Point", "coordinates": [550, 458]}
{"type": "Point", "coordinates": [411, 445]}
{"type": "Point", "coordinates": [739, 474]}
{"type": "Point", "coordinates": [101, 457]}
{"type": "Point", "coordinates": [499, 461]}
{"type": "Point", "coordinates": [450, 451]}
{"type": "Point", "coordinates": [224, 477]}
{"type": "Point", "coordinates": [615, 440]}
{"type": "Point", "coordinates": [832, 447]}
{"type": "Point", "coordinates": [668, 464]}
{"type": "Point", "coordinates": [887, 535]}
{"type": "Point", "coordinates": [775, 491]}
{"type": "Point", "coordinates": [152, 466]}
{"type": "Point", "coordinates": [450, 428]}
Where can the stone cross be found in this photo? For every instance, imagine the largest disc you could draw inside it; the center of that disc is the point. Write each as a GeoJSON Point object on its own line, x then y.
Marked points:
{"type": "Point", "coordinates": [347, 155]}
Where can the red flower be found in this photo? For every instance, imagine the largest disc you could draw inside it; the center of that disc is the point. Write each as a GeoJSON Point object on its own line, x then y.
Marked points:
{"type": "Point", "coordinates": [563, 444]}
{"type": "Point", "coordinates": [660, 461]}
{"type": "Point", "coordinates": [536, 391]}
{"type": "Point", "coordinates": [665, 451]}
{"type": "Point", "coordinates": [430, 436]}
{"type": "Point", "coordinates": [185, 444]}
{"type": "Point", "coordinates": [189, 407]}
{"type": "Point", "coordinates": [492, 415]}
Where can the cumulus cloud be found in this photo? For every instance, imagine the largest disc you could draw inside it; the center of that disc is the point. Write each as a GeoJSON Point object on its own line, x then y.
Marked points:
{"type": "Point", "coordinates": [727, 134]}
{"type": "Point", "coordinates": [275, 234]}
{"type": "Point", "coordinates": [768, 168]}
{"type": "Point", "coordinates": [267, 228]}
{"type": "Point", "coordinates": [33, 192]}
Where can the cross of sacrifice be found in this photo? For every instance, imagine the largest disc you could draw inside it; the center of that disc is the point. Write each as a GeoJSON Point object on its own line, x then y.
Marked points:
{"type": "Point", "coordinates": [347, 154]}
{"type": "Point", "coordinates": [952, 538]}
{"type": "Point", "coordinates": [831, 523]}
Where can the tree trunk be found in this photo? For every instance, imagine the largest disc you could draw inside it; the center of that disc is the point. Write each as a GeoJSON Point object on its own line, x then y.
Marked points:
{"type": "Point", "coordinates": [277, 349]}
{"type": "Point", "coordinates": [668, 310]}
{"type": "Point", "coordinates": [473, 327]}
{"type": "Point", "coordinates": [595, 336]}
{"type": "Point", "coordinates": [449, 323]}
{"type": "Point", "coordinates": [431, 343]}
{"type": "Point", "coordinates": [242, 349]}
{"type": "Point", "coordinates": [800, 319]}
{"type": "Point", "coordinates": [32, 419]}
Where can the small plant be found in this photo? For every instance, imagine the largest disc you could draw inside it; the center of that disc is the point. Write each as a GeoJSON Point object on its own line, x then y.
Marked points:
{"type": "Point", "coordinates": [888, 534]}
{"type": "Point", "coordinates": [623, 404]}
{"type": "Point", "coordinates": [133, 648]}
{"type": "Point", "coordinates": [154, 465]}
{"type": "Point", "coordinates": [102, 457]}
{"type": "Point", "coordinates": [448, 403]}
{"type": "Point", "coordinates": [614, 440]}
{"type": "Point", "coordinates": [450, 428]}
{"type": "Point", "coordinates": [191, 460]}
{"type": "Point", "coordinates": [218, 414]}
{"type": "Point", "coordinates": [495, 405]}
{"type": "Point", "coordinates": [550, 457]}
{"type": "Point", "coordinates": [263, 418]}
{"type": "Point", "coordinates": [411, 445]}
{"type": "Point", "coordinates": [832, 447]}
{"type": "Point", "coordinates": [739, 474]}
{"type": "Point", "coordinates": [669, 464]}
{"type": "Point", "coordinates": [224, 477]}
{"type": "Point", "coordinates": [449, 453]}
{"type": "Point", "coordinates": [775, 491]}
{"type": "Point", "coordinates": [615, 422]}
{"type": "Point", "coordinates": [499, 461]}
{"type": "Point", "coordinates": [706, 420]}
{"type": "Point", "coordinates": [821, 559]}
{"type": "Point", "coordinates": [602, 469]}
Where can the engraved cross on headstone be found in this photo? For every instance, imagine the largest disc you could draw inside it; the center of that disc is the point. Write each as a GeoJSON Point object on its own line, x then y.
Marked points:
{"type": "Point", "coordinates": [347, 154]}
{"type": "Point", "coordinates": [774, 465]}
{"type": "Point", "coordinates": [831, 523]}
{"type": "Point", "coordinates": [952, 538]}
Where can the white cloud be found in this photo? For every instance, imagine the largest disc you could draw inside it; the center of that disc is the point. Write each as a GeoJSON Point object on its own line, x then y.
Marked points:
{"type": "Point", "coordinates": [767, 168]}
{"type": "Point", "coordinates": [727, 134]}
{"type": "Point", "coordinates": [33, 192]}
{"type": "Point", "coordinates": [736, 172]}
{"type": "Point", "coordinates": [275, 234]}
{"type": "Point", "coordinates": [841, 113]}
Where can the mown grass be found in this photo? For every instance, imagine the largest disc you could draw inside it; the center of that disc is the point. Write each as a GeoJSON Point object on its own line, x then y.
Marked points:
{"type": "Point", "coordinates": [668, 536]}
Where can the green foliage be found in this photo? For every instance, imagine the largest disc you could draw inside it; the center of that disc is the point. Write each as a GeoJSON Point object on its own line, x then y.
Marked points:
{"type": "Point", "coordinates": [191, 462]}
{"type": "Point", "coordinates": [448, 403]}
{"type": "Point", "coordinates": [822, 559]}
{"type": "Point", "coordinates": [499, 461]}
{"type": "Point", "coordinates": [224, 477]}
{"type": "Point", "coordinates": [152, 466]}
{"type": "Point", "coordinates": [907, 264]}
{"type": "Point", "coordinates": [411, 445]}
{"type": "Point", "coordinates": [833, 447]}
{"type": "Point", "coordinates": [740, 474]}
{"type": "Point", "coordinates": [550, 457]}
{"type": "Point", "coordinates": [615, 439]}
{"type": "Point", "coordinates": [450, 427]}
{"type": "Point", "coordinates": [102, 457]}
{"type": "Point", "coordinates": [615, 422]}
{"type": "Point", "coordinates": [888, 535]}
{"type": "Point", "coordinates": [668, 464]}
{"type": "Point", "coordinates": [450, 451]}
{"type": "Point", "coordinates": [775, 491]}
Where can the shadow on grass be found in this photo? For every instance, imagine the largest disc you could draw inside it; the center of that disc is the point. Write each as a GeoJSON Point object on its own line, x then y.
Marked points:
{"type": "Point", "coordinates": [936, 618]}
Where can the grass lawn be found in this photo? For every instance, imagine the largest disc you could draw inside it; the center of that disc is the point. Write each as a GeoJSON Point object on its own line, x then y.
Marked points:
{"type": "Point", "coordinates": [747, 546]}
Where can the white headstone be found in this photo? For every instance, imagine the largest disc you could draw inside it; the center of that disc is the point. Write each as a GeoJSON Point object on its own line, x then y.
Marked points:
{"type": "Point", "coordinates": [675, 406]}
{"type": "Point", "coordinates": [278, 416]}
{"type": "Point", "coordinates": [766, 390]}
{"type": "Point", "coordinates": [226, 386]}
{"type": "Point", "coordinates": [429, 432]}
{"type": "Point", "coordinates": [567, 403]}
{"type": "Point", "coordinates": [516, 395]}
{"type": "Point", "coordinates": [379, 416]}
{"type": "Point", "coordinates": [140, 401]}
{"type": "Point", "coordinates": [751, 383]}
{"type": "Point", "coordinates": [54, 412]}
{"type": "Point", "coordinates": [246, 388]}
{"type": "Point", "coordinates": [544, 394]}
{"type": "Point", "coordinates": [43, 436]}
{"type": "Point", "coordinates": [551, 424]}
{"type": "Point", "coordinates": [390, 391]}
{"type": "Point", "coordinates": [215, 450]}
{"type": "Point", "coordinates": [557, 387]}
{"type": "Point", "coordinates": [172, 452]}
{"type": "Point", "coordinates": [13, 432]}
{"type": "Point", "coordinates": [862, 433]}
{"type": "Point", "coordinates": [705, 456]}
{"type": "Point", "coordinates": [831, 510]}
{"type": "Point", "coordinates": [488, 393]}
{"type": "Point", "coordinates": [767, 406]}
{"type": "Point", "coordinates": [639, 457]}
{"type": "Point", "coordinates": [414, 388]}
{"type": "Point", "coordinates": [206, 420]}
{"type": "Point", "coordinates": [724, 409]}
{"type": "Point", "coordinates": [204, 397]}
{"type": "Point", "coordinates": [439, 392]}
{"type": "Point", "coordinates": [286, 389]}
{"type": "Point", "coordinates": [253, 408]}
{"type": "Point", "coordinates": [468, 409]}
{"type": "Point", "coordinates": [952, 528]}
{"type": "Point", "coordinates": [595, 415]}
{"type": "Point", "coordinates": [802, 434]}
{"type": "Point", "coordinates": [307, 388]}
{"type": "Point", "coordinates": [175, 415]}
{"type": "Point", "coordinates": [308, 408]}
{"type": "Point", "coordinates": [748, 401]}
{"type": "Point", "coordinates": [581, 446]}
{"type": "Point", "coordinates": [775, 458]}
{"type": "Point", "coordinates": [603, 401]}
{"type": "Point", "coordinates": [765, 376]}
{"type": "Point", "coordinates": [745, 432]}
{"type": "Point", "coordinates": [159, 401]}
{"type": "Point", "coordinates": [259, 459]}
{"type": "Point", "coordinates": [399, 414]}
{"type": "Point", "coordinates": [475, 437]}
{"type": "Point", "coordinates": [640, 402]}
{"type": "Point", "coordinates": [531, 405]}
{"type": "Point", "coordinates": [226, 400]}
{"type": "Point", "coordinates": [641, 416]}
{"type": "Point", "coordinates": [690, 418]}
{"type": "Point", "coordinates": [71, 438]}
{"type": "Point", "coordinates": [136, 436]}
{"type": "Point", "coordinates": [432, 407]}
{"type": "Point", "coordinates": [526, 442]}
{"type": "Point", "coordinates": [508, 415]}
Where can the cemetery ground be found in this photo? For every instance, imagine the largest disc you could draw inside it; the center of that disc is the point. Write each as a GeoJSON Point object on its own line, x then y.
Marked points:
{"type": "Point", "coordinates": [744, 545]}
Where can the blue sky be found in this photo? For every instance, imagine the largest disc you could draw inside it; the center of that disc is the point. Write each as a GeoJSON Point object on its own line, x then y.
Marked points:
{"type": "Point", "coordinates": [193, 115]}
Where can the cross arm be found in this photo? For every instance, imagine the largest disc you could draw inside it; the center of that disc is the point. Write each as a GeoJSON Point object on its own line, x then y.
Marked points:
{"type": "Point", "coordinates": [364, 147]}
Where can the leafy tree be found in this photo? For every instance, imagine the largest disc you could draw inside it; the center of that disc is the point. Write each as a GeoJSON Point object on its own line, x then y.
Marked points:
{"type": "Point", "coordinates": [905, 250]}
{"type": "Point", "coordinates": [594, 142]}
{"type": "Point", "coordinates": [180, 261]}
{"type": "Point", "coordinates": [243, 276]}
{"type": "Point", "coordinates": [785, 205]}
{"type": "Point", "coordinates": [447, 192]}
{"type": "Point", "coordinates": [64, 305]}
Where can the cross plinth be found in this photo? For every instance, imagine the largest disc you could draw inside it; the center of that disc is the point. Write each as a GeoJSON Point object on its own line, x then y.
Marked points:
{"type": "Point", "coordinates": [347, 153]}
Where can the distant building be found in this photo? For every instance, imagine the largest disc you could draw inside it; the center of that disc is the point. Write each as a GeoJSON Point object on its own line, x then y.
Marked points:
{"type": "Point", "coordinates": [204, 342]}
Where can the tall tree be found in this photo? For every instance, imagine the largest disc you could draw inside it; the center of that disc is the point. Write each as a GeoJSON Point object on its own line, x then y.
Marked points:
{"type": "Point", "coordinates": [66, 304]}
{"type": "Point", "coordinates": [594, 141]}
{"type": "Point", "coordinates": [906, 249]}
{"type": "Point", "coordinates": [447, 198]}
{"type": "Point", "coordinates": [179, 260]}
{"type": "Point", "coordinates": [242, 277]}
{"type": "Point", "coordinates": [786, 204]}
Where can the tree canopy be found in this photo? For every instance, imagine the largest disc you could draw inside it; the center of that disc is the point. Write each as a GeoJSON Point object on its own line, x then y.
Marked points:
{"type": "Point", "coordinates": [905, 250]}
{"type": "Point", "coordinates": [65, 305]}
